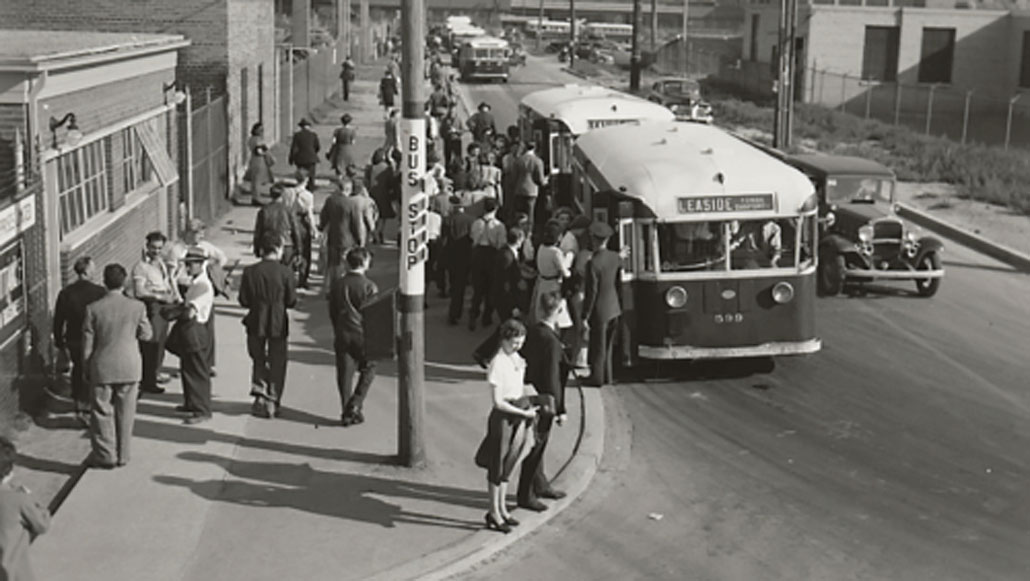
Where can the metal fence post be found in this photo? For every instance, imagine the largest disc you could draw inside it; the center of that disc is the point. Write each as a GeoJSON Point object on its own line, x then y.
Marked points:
{"type": "Point", "coordinates": [843, 91]}
{"type": "Point", "coordinates": [1008, 123]}
{"type": "Point", "coordinates": [307, 85]}
{"type": "Point", "coordinates": [965, 116]}
{"type": "Point", "coordinates": [929, 108]}
{"type": "Point", "coordinates": [188, 166]}
{"type": "Point", "coordinates": [868, 98]}
{"type": "Point", "coordinates": [897, 102]}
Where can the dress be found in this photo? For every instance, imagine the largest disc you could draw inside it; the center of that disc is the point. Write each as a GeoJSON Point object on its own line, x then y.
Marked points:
{"type": "Point", "coordinates": [551, 270]}
{"type": "Point", "coordinates": [343, 148]}
{"type": "Point", "coordinates": [509, 437]}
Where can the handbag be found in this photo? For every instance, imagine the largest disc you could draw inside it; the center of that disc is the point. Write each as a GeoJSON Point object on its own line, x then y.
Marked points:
{"type": "Point", "coordinates": [186, 336]}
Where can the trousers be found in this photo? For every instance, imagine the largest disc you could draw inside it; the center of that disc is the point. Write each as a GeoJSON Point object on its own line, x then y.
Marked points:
{"type": "Point", "coordinates": [351, 358]}
{"type": "Point", "coordinates": [601, 341]}
{"type": "Point", "coordinates": [268, 367]}
{"type": "Point", "coordinates": [114, 411]}
{"type": "Point", "coordinates": [481, 271]}
{"type": "Point", "coordinates": [196, 382]}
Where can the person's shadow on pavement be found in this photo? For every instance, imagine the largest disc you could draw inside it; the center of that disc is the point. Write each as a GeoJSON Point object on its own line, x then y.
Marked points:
{"type": "Point", "coordinates": [340, 495]}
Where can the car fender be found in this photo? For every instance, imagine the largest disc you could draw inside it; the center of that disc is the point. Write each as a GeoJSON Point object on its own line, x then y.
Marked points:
{"type": "Point", "coordinates": [838, 244]}
{"type": "Point", "coordinates": [927, 245]}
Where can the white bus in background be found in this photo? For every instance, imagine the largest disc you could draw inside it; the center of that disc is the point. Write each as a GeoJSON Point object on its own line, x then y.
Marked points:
{"type": "Point", "coordinates": [548, 28]}
{"type": "Point", "coordinates": [609, 30]}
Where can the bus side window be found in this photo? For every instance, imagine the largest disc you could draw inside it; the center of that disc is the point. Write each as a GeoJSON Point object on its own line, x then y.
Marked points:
{"type": "Point", "coordinates": [628, 249]}
{"type": "Point", "coordinates": [644, 247]}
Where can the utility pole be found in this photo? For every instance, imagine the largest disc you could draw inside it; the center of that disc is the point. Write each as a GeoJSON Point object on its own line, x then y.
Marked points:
{"type": "Point", "coordinates": [783, 120]}
{"type": "Point", "coordinates": [411, 345]}
{"type": "Point", "coordinates": [540, 25]}
{"type": "Point", "coordinates": [654, 25]}
{"type": "Point", "coordinates": [364, 21]}
{"type": "Point", "coordinates": [572, 33]}
{"type": "Point", "coordinates": [634, 56]}
{"type": "Point", "coordinates": [685, 51]}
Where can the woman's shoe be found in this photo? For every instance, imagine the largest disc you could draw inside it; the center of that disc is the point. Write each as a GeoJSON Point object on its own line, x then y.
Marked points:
{"type": "Point", "coordinates": [492, 524]}
{"type": "Point", "coordinates": [511, 521]}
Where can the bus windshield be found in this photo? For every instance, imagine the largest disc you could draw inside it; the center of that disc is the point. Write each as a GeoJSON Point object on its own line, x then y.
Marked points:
{"type": "Point", "coordinates": [736, 244]}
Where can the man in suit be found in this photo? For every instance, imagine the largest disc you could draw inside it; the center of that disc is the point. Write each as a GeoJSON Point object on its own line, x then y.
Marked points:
{"type": "Point", "coordinates": [277, 220]}
{"type": "Point", "coordinates": [457, 228]}
{"type": "Point", "coordinates": [528, 179]}
{"type": "Point", "coordinates": [111, 330]}
{"type": "Point", "coordinates": [267, 289]}
{"type": "Point", "coordinates": [304, 148]}
{"type": "Point", "coordinates": [488, 238]}
{"type": "Point", "coordinates": [69, 314]}
{"type": "Point", "coordinates": [345, 220]}
{"type": "Point", "coordinates": [601, 308]}
{"type": "Point", "coordinates": [347, 297]}
{"type": "Point", "coordinates": [547, 370]}
{"type": "Point", "coordinates": [508, 286]}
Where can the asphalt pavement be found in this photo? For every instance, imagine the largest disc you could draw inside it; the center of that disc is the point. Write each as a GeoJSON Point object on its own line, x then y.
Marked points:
{"type": "Point", "coordinates": [300, 497]}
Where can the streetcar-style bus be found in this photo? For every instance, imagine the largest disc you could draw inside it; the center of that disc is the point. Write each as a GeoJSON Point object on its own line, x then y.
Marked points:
{"type": "Point", "coordinates": [553, 118]}
{"type": "Point", "coordinates": [483, 58]}
{"type": "Point", "coordinates": [609, 30]}
{"type": "Point", "coordinates": [548, 28]}
{"type": "Point", "coordinates": [718, 240]}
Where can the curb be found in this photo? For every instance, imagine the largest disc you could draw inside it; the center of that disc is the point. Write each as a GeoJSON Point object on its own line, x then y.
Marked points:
{"type": "Point", "coordinates": [1010, 256]}
{"type": "Point", "coordinates": [577, 473]}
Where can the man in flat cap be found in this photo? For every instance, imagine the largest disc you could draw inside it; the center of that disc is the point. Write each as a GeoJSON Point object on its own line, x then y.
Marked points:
{"type": "Point", "coordinates": [304, 148]}
{"type": "Point", "coordinates": [601, 308]}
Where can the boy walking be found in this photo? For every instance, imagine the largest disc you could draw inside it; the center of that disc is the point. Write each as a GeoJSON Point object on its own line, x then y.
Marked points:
{"type": "Point", "coordinates": [347, 296]}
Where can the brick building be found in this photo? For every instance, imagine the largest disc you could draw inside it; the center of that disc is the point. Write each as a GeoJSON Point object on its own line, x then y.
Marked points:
{"type": "Point", "coordinates": [88, 148]}
{"type": "Point", "coordinates": [231, 53]}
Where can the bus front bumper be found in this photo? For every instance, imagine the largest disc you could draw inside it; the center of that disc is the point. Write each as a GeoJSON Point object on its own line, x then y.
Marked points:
{"type": "Point", "coordinates": [763, 350]}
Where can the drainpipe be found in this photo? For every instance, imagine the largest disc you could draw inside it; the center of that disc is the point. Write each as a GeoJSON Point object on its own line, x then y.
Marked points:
{"type": "Point", "coordinates": [51, 229]}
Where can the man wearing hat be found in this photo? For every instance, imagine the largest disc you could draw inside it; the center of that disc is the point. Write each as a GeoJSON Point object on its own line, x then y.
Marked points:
{"type": "Point", "coordinates": [199, 300]}
{"type": "Point", "coordinates": [526, 183]}
{"type": "Point", "coordinates": [304, 148]}
{"type": "Point", "coordinates": [601, 308]}
{"type": "Point", "coordinates": [481, 124]}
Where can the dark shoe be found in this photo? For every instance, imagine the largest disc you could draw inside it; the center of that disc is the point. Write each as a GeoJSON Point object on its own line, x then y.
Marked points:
{"type": "Point", "coordinates": [184, 409]}
{"type": "Point", "coordinates": [511, 521]}
{"type": "Point", "coordinates": [552, 494]}
{"type": "Point", "coordinates": [481, 361]}
{"type": "Point", "coordinates": [122, 463]}
{"type": "Point", "coordinates": [93, 462]}
{"type": "Point", "coordinates": [352, 418]}
{"type": "Point", "coordinates": [494, 525]}
{"type": "Point", "coordinates": [197, 419]}
{"type": "Point", "coordinates": [534, 505]}
{"type": "Point", "coordinates": [214, 372]}
{"type": "Point", "coordinates": [152, 389]}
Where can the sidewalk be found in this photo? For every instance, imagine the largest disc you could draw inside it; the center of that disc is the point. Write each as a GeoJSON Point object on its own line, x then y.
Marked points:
{"type": "Point", "coordinates": [300, 497]}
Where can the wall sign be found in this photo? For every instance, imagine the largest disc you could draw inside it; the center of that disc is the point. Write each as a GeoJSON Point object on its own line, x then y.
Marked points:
{"type": "Point", "coordinates": [414, 234]}
{"type": "Point", "coordinates": [17, 218]}
{"type": "Point", "coordinates": [12, 284]}
{"type": "Point", "coordinates": [725, 204]}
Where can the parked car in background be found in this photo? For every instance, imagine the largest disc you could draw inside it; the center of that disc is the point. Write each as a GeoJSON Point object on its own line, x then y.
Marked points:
{"type": "Point", "coordinates": [682, 96]}
{"type": "Point", "coordinates": [861, 239]}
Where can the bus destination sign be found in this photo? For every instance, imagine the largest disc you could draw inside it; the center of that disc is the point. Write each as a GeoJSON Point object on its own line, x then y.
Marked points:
{"type": "Point", "coordinates": [725, 204]}
{"type": "Point", "coordinates": [599, 123]}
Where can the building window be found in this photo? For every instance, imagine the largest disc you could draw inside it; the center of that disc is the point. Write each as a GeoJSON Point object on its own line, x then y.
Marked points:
{"type": "Point", "coordinates": [937, 56]}
{"type": "Point", "coordinates": [82, 185]}
{"type": "Point", "coordinates": [1024, 65]}
{"type": "Point", "coordinates": [880, 54]}
{"type": "Point", "coordinates": [136, 167]}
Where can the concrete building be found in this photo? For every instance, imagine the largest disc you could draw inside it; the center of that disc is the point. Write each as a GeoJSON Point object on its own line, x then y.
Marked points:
{"type": "Point", "coordinates": [88, 159]}
{"type": "Point", "coordinates": [847, 49]}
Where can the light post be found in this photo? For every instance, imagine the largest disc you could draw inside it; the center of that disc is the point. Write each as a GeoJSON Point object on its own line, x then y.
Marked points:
{"type": "Point", "coordinates": [1008, 123]}
{"type": "Point", "coordinates": [965, 116]}
{"type": "Point", "coordinates": [634, 56]}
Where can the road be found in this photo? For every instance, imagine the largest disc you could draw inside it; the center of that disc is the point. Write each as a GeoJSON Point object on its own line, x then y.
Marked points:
{"type": "Point", "coordinates": [897, 452]}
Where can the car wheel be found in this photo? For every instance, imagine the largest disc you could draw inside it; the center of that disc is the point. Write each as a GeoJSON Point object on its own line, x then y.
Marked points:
{"type": "Point", "coordinates": [927, 287]}
{"type": "Point", "coordinates": [830, 273]}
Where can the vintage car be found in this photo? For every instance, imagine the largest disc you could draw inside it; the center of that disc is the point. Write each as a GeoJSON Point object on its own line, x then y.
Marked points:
{"type": "Point", "coordinates": [861, 239]}
{"type": "Point", "coordinates": [683, 97]}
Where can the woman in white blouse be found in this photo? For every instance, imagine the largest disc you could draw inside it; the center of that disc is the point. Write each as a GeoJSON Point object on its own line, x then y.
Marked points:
{"type": "Point", "coordinates": [552, 268]}
{"type": "Point", "coordinates": [509, 435]}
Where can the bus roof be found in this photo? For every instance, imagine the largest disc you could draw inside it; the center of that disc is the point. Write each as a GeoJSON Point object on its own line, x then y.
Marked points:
{"type": "Point", "coordinates": [662, 163]}
{"type": "Point", "coordinates": [586, 107]}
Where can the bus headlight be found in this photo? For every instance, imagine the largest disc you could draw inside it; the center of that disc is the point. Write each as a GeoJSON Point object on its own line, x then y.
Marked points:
{"type": "Point", "coordinates": [783, 292]}
{"type": "Point", "coordinates": [676, 297]}
{"type": "Point", "coordinates": [865, 233]}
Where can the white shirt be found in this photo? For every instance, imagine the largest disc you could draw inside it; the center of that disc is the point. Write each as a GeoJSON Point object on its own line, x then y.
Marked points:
{"type": "Point", "coordinates": [434, 225]}
{"type": "Point", "coordinates": [507, 374]}
{"type": "Point", "coordinates": [176, 251]}
{"type": "Point", "coordinates": [201, 296]}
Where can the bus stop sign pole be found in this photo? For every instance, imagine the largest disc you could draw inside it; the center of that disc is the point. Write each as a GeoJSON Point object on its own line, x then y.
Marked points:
{"type": "Point", "coordinates": [413, 251]}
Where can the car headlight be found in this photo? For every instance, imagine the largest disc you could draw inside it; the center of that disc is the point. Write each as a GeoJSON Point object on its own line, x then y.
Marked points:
{"type": "Point", "coordinates": [783, 292]}
{"type": "Point", "coordinates": [676, 297]}
{"type": "Point", "coordinates": [911, 237]}
{"type": "Point", "coordinates": [865, 233]}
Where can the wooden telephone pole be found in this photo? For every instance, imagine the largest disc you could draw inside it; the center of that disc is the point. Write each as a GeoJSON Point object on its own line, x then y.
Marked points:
{"type": "Point", "coordinates": [783, 122]}
{"type": "Point", "coordinates": [634, 57]}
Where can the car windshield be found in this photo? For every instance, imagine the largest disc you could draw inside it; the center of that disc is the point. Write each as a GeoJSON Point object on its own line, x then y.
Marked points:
{"type": "Point", "coordinates": [858, 190]}
{"type": "Point", "coordinates": [679, 87]}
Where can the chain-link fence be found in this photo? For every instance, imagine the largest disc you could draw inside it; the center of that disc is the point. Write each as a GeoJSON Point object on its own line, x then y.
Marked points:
{"type": "Point", "coordinates": [940, 110]}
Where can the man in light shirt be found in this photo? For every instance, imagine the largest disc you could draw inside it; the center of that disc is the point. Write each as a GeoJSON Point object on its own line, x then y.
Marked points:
{"type": "Point", "coordinates": [196, 374]}
{"type": "Point", "coordinates": [152, 283]}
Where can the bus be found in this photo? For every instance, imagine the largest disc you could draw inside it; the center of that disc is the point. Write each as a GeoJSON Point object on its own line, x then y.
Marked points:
{"type": "Point", "coordinates": [548, 28]}
{"type": "Point", "coordinates": [553, 118]}
{"type": "Point", "coordinates": [609, 30]}
{"type": "Point", "coordinates": [718, 239]}
{"type": "Point", "coordinates": [483, 58]}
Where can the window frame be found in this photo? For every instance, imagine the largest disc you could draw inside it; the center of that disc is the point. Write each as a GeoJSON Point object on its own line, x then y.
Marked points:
{"type": "Point", "coordinates": [887, 71]}
{"type": "Point", "coordinates": [937, 73]}
{"type": "Point", "coordinates": [82, 186]}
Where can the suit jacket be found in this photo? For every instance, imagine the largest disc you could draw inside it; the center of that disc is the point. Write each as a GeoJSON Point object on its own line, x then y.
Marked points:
{"type": "Point", "coordinates": [344, 219]}
{"type": "Point", "coordinates": [505, 283]}
{"type": "Point", "coordinates": [70, 311]}
{"type": "Point", "coordinates": [276, 217]}
{"type": "Point", "coordinates": [111, 332]}
{"type": "Point", "coordinates": [546, 363]}
{"type": "Point", "coordinates": [601, 303]}
{"type": "Point", "coordinates": [529, 175]}
{"type": "Point", "coordinates": [267, 289]}
{"type": "Point", "coordinates": [304, 148]}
